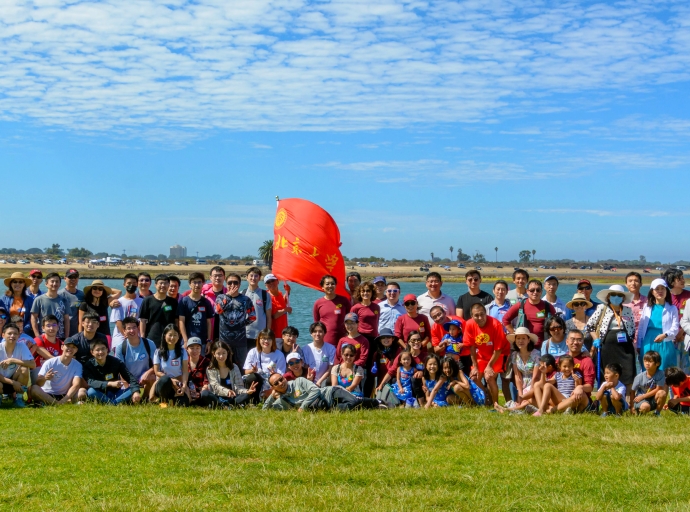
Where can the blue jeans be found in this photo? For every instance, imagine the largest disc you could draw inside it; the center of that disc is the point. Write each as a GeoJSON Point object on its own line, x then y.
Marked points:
{"type": "Point", "coordinates": [111, 396]}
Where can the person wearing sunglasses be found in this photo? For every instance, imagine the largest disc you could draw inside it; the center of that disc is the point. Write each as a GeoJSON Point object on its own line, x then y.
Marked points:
{"type": "Point", "coordinates": [75, 296]}
{"type": "Point", "coordinates": [96, 301]}
{"type": "Point", "coordinates": [585, 288]}
{"type": "Point", "coordinates": [17, 301]}
{"type": "Point", "coordinates": [531, 313]}
{"type": "Point", "coordinates": [474, 295]}
{"type": "Point", "coordinates": [555, 344]}
{"type": "Point", "coordinates": [413, 321]}
{"type": "Point", "coordinates": [613, 328]}
{"type": "Point", "coordinates": [296, 367]}
{"type": "Point", "coordinates": [391, 308]}
{"type": "Point", "coordinates": [235, 312]}
{"type": "Point", "coordinates": [578, 321]}
{"type": "Point", "coordinates": [36, 277]}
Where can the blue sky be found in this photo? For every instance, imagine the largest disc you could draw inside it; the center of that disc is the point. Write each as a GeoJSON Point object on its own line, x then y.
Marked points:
{"type": "Point", "coordinates": [560, 127]}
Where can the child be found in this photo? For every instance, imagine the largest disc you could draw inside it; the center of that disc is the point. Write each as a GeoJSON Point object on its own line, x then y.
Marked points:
{"type": "Point", "coordinates": [403, 387]}
{"type": "Point", "coordinates": [453, 340]}
{"type": "Point", "coordinates": [461, 390]}
{"type": "Point", "coordinates": [525, 361]}
{"type": "Point", "coordinates": [612, 392]}
{"type": "Point", "coordinates": [650, 386]}
{"type": "Point", "coordinates": [435, 383]}
{"type": "Point", "coordinates": [680, 385]}
{"type": "Point", "coordinates": [559, 389]}
{"type": "Point", "coordinates": [547, 371]}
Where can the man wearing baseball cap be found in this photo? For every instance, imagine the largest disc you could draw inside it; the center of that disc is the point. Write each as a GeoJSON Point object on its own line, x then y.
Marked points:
{"type": "Point", "coordinates": [280, 304]}
{"type": "Point", "coordinates": [36, 277]}
{"type": "Point", "coordinates": [379, 283]}
{"type": "Point", "coordinates": [585, 288]}
{"type": "Point", "coordinates": [74, 296]}
{"type": "Point", "coordinates": [551, 287]}
{"type": "Point", "coordinates": [354, 338]}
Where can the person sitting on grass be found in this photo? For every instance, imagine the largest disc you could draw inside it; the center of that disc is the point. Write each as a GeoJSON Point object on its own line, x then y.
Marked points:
{"type": "Point", "coordinates": [108, 378]}
{"type": "Point", "coordinates": [404, 372]}
{"type": "Point", "coordinates": [198, 364]}
{"type": "Point", "coordinates": [83, 339]}
{"type": "Point", "coordinates": [348, 374]}
{"type": "Point", "coordinates": [47, 345]}
{"type": "Point", "coordinates": [171, 366]}
{"type": "Point", "coordinates": [555, 344]}
{"type": "Point", "coordinates": [559, 390]}
{"type": "Point", "coordinates": [296, 368]}
{"type": "Point", "coordinates": [525, 361]}
{"type": "Point", "coordinates": [436, 386]}
{"type": "Point", "coordinates": [137, 354]}
{"type": "Point", "coordinates": [650, 386]}
{"type": "Point", "coordinates": [612, 392]}
{"type": "Point", "coordinates": [288, 342]}
{"type": "Point", "coordinates": [417, 354]}
{"type": "Point", "coordinates": [262, 361]}
{"type": "Point", "coordinates": [680, 385]}
{"type": "Point", "coordinates": [462, 391]}
{"type": "Point", "coordinates": [452, 341]}
{"type": "Point", "coordinates": [225, 385]}
{"type": "Point", "coordinates": [15, 363]}
{"type": "Point", "coordinates": [59, 379]}
{"type": "Point", "coordinates": [547, 371]}
{"type": "Point", "coordinates": [386, 349]}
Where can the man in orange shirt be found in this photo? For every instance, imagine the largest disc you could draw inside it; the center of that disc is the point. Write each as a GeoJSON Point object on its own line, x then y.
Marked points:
{"type": "Point", "coordinates": [489, 349]}
{"type": "Point", "coordinates": [440, 317]}
{"type": "Point", "coordinates": [279, 302]}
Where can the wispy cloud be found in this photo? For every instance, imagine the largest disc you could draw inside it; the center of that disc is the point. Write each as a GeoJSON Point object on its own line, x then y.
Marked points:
{"type": "Point", "coordinates": [612, 213]}
{"type": "Point", "coordinates": [191, 67]}
{"type": "Point", "coordinates": [261, 146]}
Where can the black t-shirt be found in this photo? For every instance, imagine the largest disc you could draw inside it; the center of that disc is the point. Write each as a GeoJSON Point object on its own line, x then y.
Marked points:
{"type": "Point", "coordinates": [102, 311]}
{"type": "Point", "coordinates": [195, 314]}
{"type": "Point", "coordinates": [158, 314]}
{"type": "Point", "coordinates": [466, 301]}
{"type": "Point", "coordinates": [84, 345]}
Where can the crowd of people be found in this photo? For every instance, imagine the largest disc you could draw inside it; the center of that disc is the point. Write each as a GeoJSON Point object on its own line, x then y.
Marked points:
{"type": "Point", "coordinates": [214, 345]}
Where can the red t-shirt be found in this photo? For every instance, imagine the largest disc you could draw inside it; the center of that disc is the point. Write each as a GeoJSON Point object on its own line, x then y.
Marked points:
{"type": "Point", "coordinates": [680, 300]}
{"type": "Point", "coordinates": [361, 346]}
{"type": "Point", "coordinates": [535, 317]}
{"type": "Point", "coordinates": [278, 302]}
{"type": "Point", "coordinates": [438, 332]}
{"type": "Point", "coordinates": [682, 391]}
{"type": "Point", "coordinates": [486, 339]}
{"type": "Point", "coordinates": [406, 324]}
{"type": "Point", "coordinates": [417, 363]}
{"type": "Point", "coordinates": [332, 314]}
{"type": "Point", "coordinates": [368, 318]}
{"type": "Point", "coordinates": [585, 367]}
{"type": "Point", "coordinates": [55, 349]}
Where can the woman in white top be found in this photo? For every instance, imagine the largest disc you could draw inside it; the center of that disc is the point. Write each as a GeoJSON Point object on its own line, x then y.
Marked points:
{"type": "Point", "coordinates": [171, 366]}
{"type": "Point", "coordinates": [263, 361]}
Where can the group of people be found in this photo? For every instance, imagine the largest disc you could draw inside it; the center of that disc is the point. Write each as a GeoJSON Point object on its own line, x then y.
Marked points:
{"type": "Point", "coordinates": [214, 345]}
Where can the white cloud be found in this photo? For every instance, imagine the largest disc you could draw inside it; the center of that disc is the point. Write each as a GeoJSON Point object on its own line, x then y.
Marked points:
{"type": "Point", "coordinates": [157, 66]}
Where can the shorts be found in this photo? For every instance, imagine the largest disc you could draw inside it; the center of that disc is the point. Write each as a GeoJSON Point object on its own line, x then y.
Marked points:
{"type": "Point", "coordinates": [650, 401]}
{"type": "Point", "coordinates": [499, 365]}
{"type": "Point", "coordinates": [8, 389]}
{"type": "Point", "coordinates": [57, 398]}
{"type": "Point", "coordinates": [624, 402]}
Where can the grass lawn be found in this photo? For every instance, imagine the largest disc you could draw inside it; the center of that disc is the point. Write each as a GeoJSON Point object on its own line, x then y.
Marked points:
{"type": "Point", "coordinates": [145, 458]}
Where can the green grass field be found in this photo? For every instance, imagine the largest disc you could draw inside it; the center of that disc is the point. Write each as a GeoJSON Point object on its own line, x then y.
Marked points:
{"type": "Point", "coordinates": [145, 458]}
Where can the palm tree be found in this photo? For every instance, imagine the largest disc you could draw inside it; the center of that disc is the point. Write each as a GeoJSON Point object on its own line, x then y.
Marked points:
{"type": "Point", "coordinates": [496, 249]}
{"type": "Point", "coordinates": [266, 252]}
{"type": "Point", "coordinates": [432, 257]}
{"type": "Point", "coordinates": [451, 253]}
{"type": "Point", "coordinates": [534, 251]}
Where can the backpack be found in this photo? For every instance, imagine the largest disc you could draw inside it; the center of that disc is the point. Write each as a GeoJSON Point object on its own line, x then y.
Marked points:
{"type": "Point", "coordinates": [264, 297]}
{"type": "Point", "coordinates": [521, 313]}
{"type": "Point", "coordinates": [146, 347]}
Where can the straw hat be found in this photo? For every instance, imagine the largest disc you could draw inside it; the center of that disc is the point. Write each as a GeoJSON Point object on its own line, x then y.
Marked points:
{"type": "Point", "coordinates": [603, 295]}
{"type": "Point", "coordinates": [525, 331]}
{"type": "Point", "coordinates": [98, 282]}
{"type": "Point", "coordinates": [578, 297]}
{"type": "Point", "coordinates": [17, 275]}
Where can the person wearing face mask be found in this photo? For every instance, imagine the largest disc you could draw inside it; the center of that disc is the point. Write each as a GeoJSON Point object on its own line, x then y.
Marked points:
{"type": "Point", "coordinates": [129, 307]}
{"type": "Point", "coordinates": [613, 328]}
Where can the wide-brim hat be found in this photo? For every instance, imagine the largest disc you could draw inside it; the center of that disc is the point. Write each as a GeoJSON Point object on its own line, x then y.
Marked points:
{"type": "Point", "coordinates": [578, 297]}
{"type": "Point", "coordinates": [17, 275]}
{"type": "Point", "coordinates": [603, 295]}
{"type": "Point", "coordinates": [526, 332]}
{"type": "Point", "coordinates": [386, 333]}
{"type": "Point", "coordinates": [98, 282]}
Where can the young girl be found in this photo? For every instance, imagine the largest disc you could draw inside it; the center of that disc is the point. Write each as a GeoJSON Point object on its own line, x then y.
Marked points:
{"type": "Point", "coordinates": [226, 387]}
{"type": "Point", "coordinates": [262, 361]}
{"type": "Point", "coordinates": [560, 387]}
{"type": "Point", "coordinates": [347, 374]}
{"type": "Point", "coordinates": [458, 385]}
{"type": "Point", "coordinates": [547, 370]}
{"type": "Point", "coordinates": [402, 389]}
{"type": "Point", "coordinates": [170, 365]}
{"type": "Point", "coordinates": [435, 383]}
{"type": "Point", "coordinates": [525, 361]}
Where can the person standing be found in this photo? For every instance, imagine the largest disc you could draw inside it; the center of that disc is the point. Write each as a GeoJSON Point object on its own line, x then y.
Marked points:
{"type": "Point", "coordinates": [633, 282]}
{"type": "Point", "coordinates": [158, 311]}
{"type": "Point", "coordinates": [390, 309]}
{"type": "Point", "coordinates": [367, 311]}
{"type": "Point", "coordinates": [75, 297]}
{"type": "Point", "coordinates": [679, 297]}
{"type": "Point", "coordinates": [129, 306]}
{"type": "Point", "coordinates": [380, 283]}
{"type": "Point", "coordinates": [96, 301]}
{"type": "Point", "coordinates": [144, 281]}
{"type": "Point", "coordinates": [413, 321]}
{"type": "Point", "coordinates": [498, 307]}
{"type": "Point", "coordinates": [585, 287]}
{"type": "Point", "coordinates": [434, 296]}
{"type": "Point", "coordinates": [534, 312]}
{"type": "Point", "coordinates": [235, 312]}
{"type": "Point", "coordinates": [551, 287]}
{"type": "Point", "coordinates": [280, 303]}
{"type": "Point", "coordinates": [195, 313]}
{"type": "Point", "coordinates": [262, 306]}
{"type": "Point", "coordinates": [17, 301]}
{"type": "Point", "coordinates": [659, 326]}
{"type": "Point", "coordinates": [137, 355]}
{"type": "Point", "coordinates": [474, 295]}
{"type": "Point", "coordinates": [520, 278]}
{"type": "Point", "coordinates": [36, 277]}
{"type": "Point", "coordinates": [174, 288]}
{"type": "Point", "coordinates": [353, 282]}
{"type": "Point", "coordinates": [331, 310]}
{"type": "Point", "coordinates": [51, 303]}
{"type": "Point", "coordinates": [318, 355]}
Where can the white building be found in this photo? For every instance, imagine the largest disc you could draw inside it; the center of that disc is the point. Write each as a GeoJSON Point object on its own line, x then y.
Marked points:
{"type": "Point", "coordinates": [178, 251]}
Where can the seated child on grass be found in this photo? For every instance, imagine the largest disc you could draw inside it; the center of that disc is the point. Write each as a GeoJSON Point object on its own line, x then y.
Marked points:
{"type": "Point", "coordinates": [650, 386]}
{"type": "Point", "coordinates": [612, 392]}
{"type": "Point", "coordinates": [680, 385]}
{"type": "Point", "coordinates": [560, 390]}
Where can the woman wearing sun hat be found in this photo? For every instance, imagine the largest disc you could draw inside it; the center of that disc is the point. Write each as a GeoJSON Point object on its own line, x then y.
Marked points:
{"type": "Point", "coordinates": [613, 327]}
{"type": "Point", "coordinates": [96, 301]}
{"type": "Point", "coordinates": [579, 304]}
{"type": "Point", "coordinates": [659, 325]}
{"type": "Point", "coordinates": [17, 300]}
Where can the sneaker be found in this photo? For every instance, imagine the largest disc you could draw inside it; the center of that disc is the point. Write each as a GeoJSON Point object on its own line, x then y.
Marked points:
{"type": "Point", "coordinates": [530, 409]}
{"type": "Point", "coordinates": [509, 404]}
{"type": "Point", "coordinates": [569, 410]}
{"type": "Point", "coordinates": [382, 405]}
{"type": "Point", "coordinates": [19, 402]}
{"type": "Point", "coordinates": [657, 413]}
{"type": "Point", "coordinates": [604, 415]}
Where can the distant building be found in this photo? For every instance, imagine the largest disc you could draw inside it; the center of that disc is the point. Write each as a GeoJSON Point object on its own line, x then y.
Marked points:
{"type": "Point", "coordinates": [178, 251]}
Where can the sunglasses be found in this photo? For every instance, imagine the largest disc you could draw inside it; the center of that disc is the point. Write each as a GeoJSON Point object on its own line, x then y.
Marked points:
{"type": "Point", "coordinates": [278, 381]}
{"type": "Point", "coordinates": [4, 317]}
{"type": "Point", "coordinates": [144, 280]}
{"type": "Point", "coordinates": [579, 304]}
{"type": "Point", "coordinates": [348, 355]}
{"type": "Point", "coordinates": [584, 288]}
{"type": "Point", "coordinates": [17, 282]}
{"type": "Point", "coordinates": [233, 283]}
{"type": "Point", "coordinates": [616, 295]}
{"type": "Point", "coordinates": [534, 290]}
{"type": "Point", "coordinates": [410, 303]}
{"type": "Point", "coordinates": [556, 328]}
{"type": "Point", "coordinates": [36, 277]}
{"type": "Point", "coordinates": [414, 340]}
{"type": "Point", "coordinates": [393, 291]}
{"type": "Point", "coordinates": [295, 362]}
{"type": "Point", "coordinates": [473, 279]}
{"type": "Point", "coordinates": [97, 289]}
{"type": "Point", "coordinates": [71, 277]}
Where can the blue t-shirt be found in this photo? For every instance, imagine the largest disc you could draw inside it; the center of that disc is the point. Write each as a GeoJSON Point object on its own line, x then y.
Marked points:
{"type": "Point", "coordinates": [196, 314]}
{"type": "Point", "coordinates": [136, 359]}
{"type": "Point", "coordinates": [172, 367]}
{"type": "Point", "coordinates": [553, 348]}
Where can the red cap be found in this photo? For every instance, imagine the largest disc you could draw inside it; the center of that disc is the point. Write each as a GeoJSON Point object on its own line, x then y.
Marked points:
{"type": "Point", "coordinates": [36, 271]}
{"type": "Point", "coordinates": [584, 281]}
{"type": "Point", "coordinates": [410, 297]}
{"type": "Point", "coordinates": [72, 272]}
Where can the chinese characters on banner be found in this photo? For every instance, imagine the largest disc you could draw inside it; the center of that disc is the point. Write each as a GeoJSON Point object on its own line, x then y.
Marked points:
{"type": "Point", "coordinates": [306, 245]}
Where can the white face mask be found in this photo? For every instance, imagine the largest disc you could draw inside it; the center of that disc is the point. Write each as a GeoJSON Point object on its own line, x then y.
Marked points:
{"type": "Point", "coordinates": [616, 301]}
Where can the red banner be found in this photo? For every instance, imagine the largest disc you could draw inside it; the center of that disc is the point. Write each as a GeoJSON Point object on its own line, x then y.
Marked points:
{"type": "Point", "coordinates": [306, 245]}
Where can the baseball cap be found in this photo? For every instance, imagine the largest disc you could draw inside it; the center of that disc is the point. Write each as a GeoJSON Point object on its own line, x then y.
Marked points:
{"type": "Point", "coordinates": [658, 282]}
{"type": "Point", "coordinates": [351, 317]}
{"type": "Point", "coordinates": [193, 341]}
{"type": "Point", "coordinates": [583, 281]}
{"type": "Point", "coordinates": [36, 272]}
{"type": "Point", "coordinates": [270, 277]}
{"type": "Point", "coordinates": [72, 272]}
{"type": "Point", "coordinates": [410, 297]}
{"type": "Point", "coordinates": [551, 277]}
{"type": "Point", "coordinates": [379, 279]}
{"type": "Point", "coordinates": [293, 356]}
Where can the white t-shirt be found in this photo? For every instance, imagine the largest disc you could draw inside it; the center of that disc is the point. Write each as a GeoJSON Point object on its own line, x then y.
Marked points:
{"type": "Point", "coordinates": [60, 384]}
{"type": "Point", "coordinates": [319, 358]}
{"type": "Point", "coordinates": [128, 308]}
{"type": "Point", "coordinates": [264, 362]}
{"type": "Point", "coordinates": [172, 367]}
{"type": "Point", "coordinates": [21, 352]}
